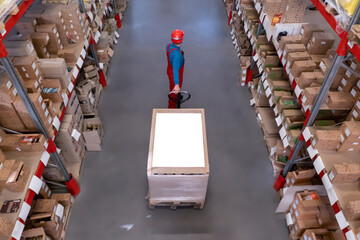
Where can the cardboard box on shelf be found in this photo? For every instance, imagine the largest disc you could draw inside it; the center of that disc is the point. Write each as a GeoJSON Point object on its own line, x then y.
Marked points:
{"type": "Point", "coordinates": [326, 217]}
{"type": "Point", "coordinates": [303, 212]}
{"type": "Point", "coordinates": [321, 233]}
{"type": "Point", "coordinates": [290, 125]}
{"type": "Point", "coordinates": [54, 42]}
{"type": "Point", "coordinates": [279, 85]}
{"type": "Point", "coordinates": [105, 54]}
{"type": "Point", "coordinates": [74, 111]}
{"type": "Point", "coordinates": [303, 224]}
{"type": "Point", "coordinates": [322, 40]}
{"type": "Point", "coordinates": [296, 56]}
{"type": "Point", "coordinates": [306, 78]}
{"type": "Point", "coordinates": [316, 49]}
{"type": "Point", "coordinates": [52, 90]}
{"type": "Point", "coordinates": [93, 133]}
{"type": "Point", "coordinates": [326, 139]}
{"type": "Point", "coordinates": [28, 68]}
{"type": "Point", "coordinates": [45, 191]}
{"type": "Point", "coordinates": [26, 25]}
{"type": "Point", "coordinates": [19, 48]}
{"type": "Point", "coordinates": [317, 59]}
{"type": "Point", "coordinates": [87, 102]}
{"type": "Point", "coordinates": [325, 65]}
{"type": "Point", "coordinates": [345, 173]}
{"type": "Point", "coordinates": [293, 47]}
{"type": "Point", "coordinates": [71, 143]}
{"type": "Point", "coordinates": [348, 82]}
{"type": "Point", "coordinates": [55, 68]}
{"type": "Point", "coordinates": [289, 39]}
{"type": "Point", "coordinates": [339, 100]}
{"type": "Point", "coordinates": [40, 40]}
{"type": "Point", "coordinates": [6, 228]}
{"type": "Point", "coordinates": [23, 142]}
{"type": "Point", "coordinates": [32, 86]}
{"type": "Point", "coordinates": [48, 213]}
{"type": "Point", "coordinates": [18, 178]}
{"type": "Point", "coordinates": [35, 233]}
{"type": "Point", "coordinates": [65, 199]}
{"type": "Point", "coordinates": [310, 95]}
{"type": "Point", "coordinates": [302, 66]}
{"type": "Point", "coordinates": [308, 199]}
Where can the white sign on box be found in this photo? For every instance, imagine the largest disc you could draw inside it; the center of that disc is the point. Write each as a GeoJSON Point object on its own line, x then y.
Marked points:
{"type": "Point", "coordinates": [59, 211]}
{"type": "Point", "coordinates": [56, 123]}
{"type": "Point", "coordinates": [116, 34]}
{"type": "Point", "coordinates": [76, 134]}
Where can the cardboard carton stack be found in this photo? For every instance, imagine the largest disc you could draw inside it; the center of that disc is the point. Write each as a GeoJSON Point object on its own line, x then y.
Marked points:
{"type": "Point", "coordinates": [309, 211]}
{"type": "Point", "coordinates": [49, 217]}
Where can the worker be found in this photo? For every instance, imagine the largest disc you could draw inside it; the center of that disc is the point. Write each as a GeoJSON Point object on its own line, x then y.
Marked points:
{"type": "Point", "coordinates": [176, 62]}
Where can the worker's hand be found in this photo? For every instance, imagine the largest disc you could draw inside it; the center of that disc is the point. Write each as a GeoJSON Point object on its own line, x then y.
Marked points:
{"type": "Point", "coordinates": [176, 89]}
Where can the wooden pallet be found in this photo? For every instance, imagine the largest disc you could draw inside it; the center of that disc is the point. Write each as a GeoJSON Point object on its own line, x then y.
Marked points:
{"type": "Point", "coordinates": [173, 205]}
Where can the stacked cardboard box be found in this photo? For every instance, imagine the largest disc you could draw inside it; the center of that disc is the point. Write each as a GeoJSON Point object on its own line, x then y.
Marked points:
{"type": "Point", "coordinates": [309, 211]}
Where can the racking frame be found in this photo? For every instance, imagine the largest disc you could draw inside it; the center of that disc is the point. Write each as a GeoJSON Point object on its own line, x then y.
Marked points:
{"type": "Point", "coordinates": [335, 194]}
{"type": "Point", "coordinates": [50, 149]}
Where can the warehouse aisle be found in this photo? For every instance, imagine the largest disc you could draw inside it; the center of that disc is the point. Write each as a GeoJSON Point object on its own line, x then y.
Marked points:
{"type": "Point", "coordinates": [240, 200]}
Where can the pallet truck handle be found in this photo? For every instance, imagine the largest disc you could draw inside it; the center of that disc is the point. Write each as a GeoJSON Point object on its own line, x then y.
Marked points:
{"type": "Point", "coordinates": [181, 93]}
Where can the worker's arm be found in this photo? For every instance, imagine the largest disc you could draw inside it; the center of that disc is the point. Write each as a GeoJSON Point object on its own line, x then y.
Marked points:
{"type": "Point", "coordinates": [176, 64]}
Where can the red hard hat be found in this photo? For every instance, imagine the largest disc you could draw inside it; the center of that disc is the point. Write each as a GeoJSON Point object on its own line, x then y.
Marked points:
{"type": "Point", "coordinates": [177, 36]}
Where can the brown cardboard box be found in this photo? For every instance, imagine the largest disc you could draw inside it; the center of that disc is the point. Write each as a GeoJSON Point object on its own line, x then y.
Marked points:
{"type": "Point", "coordinates": [293, 47]}
{"type": "Point", "coordinates": [55, 68]}
{"type": "Point", "coordinates": [322, 40]}
{"type": "Point", "coordinates": [352, 210]}
{"type": "Point", "coordinates": [28, 68]}
{"type": "Point", "coordinates": [71, 143]}
{"type": "Point", "coordinates": [347, 82]}
{"type": "Point", "coordinates": [309, 95]}
{"type": "Point", "coordinates": [19, 48]}
{"type": "Point", "coordinates": [325, 65]}
{"type": "Point", "coordinates": [316, 49]}
{"type": "Point", "coordinates": [304, 212]}
{"type": "Point", "coordinates": [93, 133]}
{"type": "Point", "coordinates": [45, 191]}
{"type": "Point", "coordinates": [306, 78]}
{"type": "Point", "coordinates": [279, 86]}
{"type": "Point", "coordinates": [37, 233]}
{"type": "Point", "coordinates": [48, 214]}
{"type": "Point", "coordinates": [10, 119]}
{"type": "Point", "coordinates": [65, 199]}
{"type": "Point", "coordinates": [74, 110]}
{"type": "Point", "coordinates": [314, 200]}
{"type": "Point", "coordinates": [290, 125]}
{"type": "Point", "coordinates": [307, 30]}
{"type": "Point", "coordinates": [293, 115]}
{"type": "Point", "coordinates": [53, 84]}
{"type": "Point", "coordinates": [40, 40]}
{"type": "Point", "coordinates": [302, 66]}
{"type": "Point", "coordinates": [26, 25]}
{"type": "Point", "coordinates": [32, 86]}
{"type": "Point", "coordinates": [326, 139]}
{"type": "Point", "coordinates": [350, 130]}
{"type": "Point", "coordinates": [54, 43]}
{"type": "Point", "coordinates": [296, 56]}
{"type": "Point", "coordinates": [339, 100]}
{"type": "Point", "coordinates": [20, 184]}
{"type": "Point", "coordinates": [6, 228]}
{"type": "Point", "coordinates": [103, 40]}
{"type": "Point", "coordinates": [321, 233]}
{"type": "Point", "coordinates": [326, 217]}
{"type": "Point", "coordinates": [104, 55]}
{"type": "Point", "coordinates": [69, 54]}
{"type": "Point", "coordinates": [288, 40]}
{"type": "Point", "coordinates": [87, 102]}
{"type": "Point", "coordinates": [288, 103]}
{"type": "Point", "coordinates": [302, 224]}
{"type": "Point", "coordinates": [23, 142]}
{"type": "Point", "coordinates": [345, 173]}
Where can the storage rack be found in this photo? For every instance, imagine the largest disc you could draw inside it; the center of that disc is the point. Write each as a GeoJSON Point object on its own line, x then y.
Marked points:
{"type": "Point", "coordinates": [336, 195]}
{"type": "Point", "coordinates": [39, 160]}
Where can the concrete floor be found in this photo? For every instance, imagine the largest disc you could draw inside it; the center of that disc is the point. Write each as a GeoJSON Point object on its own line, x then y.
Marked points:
{"type": "Point", "coordinates": [240, 199]}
